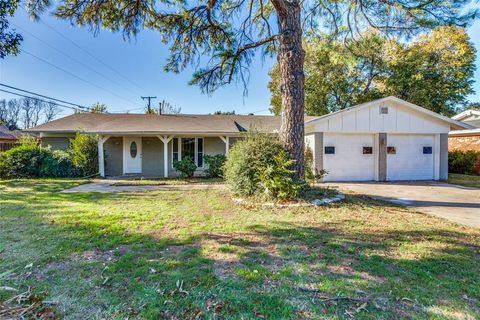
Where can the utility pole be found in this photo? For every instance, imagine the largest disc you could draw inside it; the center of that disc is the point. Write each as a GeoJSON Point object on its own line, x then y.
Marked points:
{"type": "Point", "coordinates": [149, 98]}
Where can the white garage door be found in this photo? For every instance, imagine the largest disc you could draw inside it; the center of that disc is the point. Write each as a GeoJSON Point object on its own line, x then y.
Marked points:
{"type": "Point", "coordinates": [410, 157]}
{"type": "Point", "coordinates": [349, 157]}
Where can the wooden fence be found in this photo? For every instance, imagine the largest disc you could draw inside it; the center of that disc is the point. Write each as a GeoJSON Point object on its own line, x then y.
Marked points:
{"type": "Point", "coordinates": [4, 146]}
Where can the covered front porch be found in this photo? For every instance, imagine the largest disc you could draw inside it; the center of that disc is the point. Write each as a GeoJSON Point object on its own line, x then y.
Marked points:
{"type": "Point", "coordinates": [153, 155]}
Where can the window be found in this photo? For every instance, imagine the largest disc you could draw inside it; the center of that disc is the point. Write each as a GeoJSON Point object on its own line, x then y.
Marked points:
{"type": "Point", "coordinates": [427, 150]}
{"type": "Point", "coordinates": [367, 150]}
{"type": "Point", "coordinates": [133, 149]}
{"type": "Point", "coordinates": [200, 152]}
{"type": "Point", "coordinates": [391, 150]}
{"type": "Point", "coordinates": [330, 150]}
{"type": "Point", "coordinates": [188, 148]}
{"type": "Point", "coordinates": [383, 110]}
{"type": "Point", "coordinates": [175, 150]}
{"type": "Point", "coordinates": [183, 147]}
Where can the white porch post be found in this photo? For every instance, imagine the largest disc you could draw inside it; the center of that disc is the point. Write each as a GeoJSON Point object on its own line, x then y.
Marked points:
{"type": "Point", "coordinates": [165, 140]}
{"type": "Point", "coordinates": [101, 159]}
{"type": "Point", "coordinates": [226, 139]}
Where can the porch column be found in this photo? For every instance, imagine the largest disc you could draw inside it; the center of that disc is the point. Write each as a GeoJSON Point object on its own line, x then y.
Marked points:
{"type": "Point", "coordinates": [226, 139]}
{"type": "Point", "coordinates": [165, 140]}
{"type": "Point", "coordinates": [101, 159]}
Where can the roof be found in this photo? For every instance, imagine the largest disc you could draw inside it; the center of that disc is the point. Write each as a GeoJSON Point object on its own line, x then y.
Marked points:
{"type": "Point", "coordinates": [470, 132]}
{"type": "Point", "coordinates": [454, 124]}
{"type": "Point", "coordinates": [7, 134]}
{"type": "Point", "coordinates": [122, 123]}
{"type": "Point", "coordinates": [466, 114]}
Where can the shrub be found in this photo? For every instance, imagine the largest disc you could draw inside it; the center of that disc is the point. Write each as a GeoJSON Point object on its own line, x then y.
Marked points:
{"type": "Point", "coordinates": [463, 162]}
{"type": "Point", "coordinates": [215, 165]}
{"type": "Point", "coordinates": [30, 160]}
{"type": "Point", "coordinates": [186, 167]}
{"type": "Point", "coordinates": [277, 180]}
{"type": "Point", "coordinates": [247, 159]}
{"type": "Point", "coordinates": [312, 174]}
{"type": "Point", "coordinates": [84, 150]}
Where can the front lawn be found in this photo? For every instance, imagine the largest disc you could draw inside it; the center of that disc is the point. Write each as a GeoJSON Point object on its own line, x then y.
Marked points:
{"type": "Point", "coordinates": [464, 180]}
{"type": "Point", "coordinates": [195, 254]}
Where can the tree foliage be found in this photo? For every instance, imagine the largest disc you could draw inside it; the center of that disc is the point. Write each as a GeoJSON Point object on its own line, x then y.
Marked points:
{"type": "Point", "coordinates": [9, 39]}
{"type": "Point", "coordinates": [98, 108]}
{"type": "Point", "coordinates": [434, 71]}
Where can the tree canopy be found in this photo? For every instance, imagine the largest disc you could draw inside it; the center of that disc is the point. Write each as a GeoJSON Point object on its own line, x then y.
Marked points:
{"type": "Point", "coordinates": [9, 39]}
{"type": "Point", "coordinates": [434, 71]}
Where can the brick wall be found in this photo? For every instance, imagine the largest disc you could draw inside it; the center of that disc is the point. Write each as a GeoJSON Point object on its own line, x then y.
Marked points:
{"type": "Point", "coordinates": [464, 143]}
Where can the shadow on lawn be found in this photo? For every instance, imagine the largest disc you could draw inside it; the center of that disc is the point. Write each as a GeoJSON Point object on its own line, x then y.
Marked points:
{"type": "Point", "coordinates": [284, 270]}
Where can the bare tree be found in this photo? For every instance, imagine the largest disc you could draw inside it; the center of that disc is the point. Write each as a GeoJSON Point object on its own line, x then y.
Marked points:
{"type": "Point", "coordinates": [165, 107]}
{"type": "Point", "coordinates": [38, 107]}
{"type": "Point", "coordinates": [50, 111]}
{"type": "Point", "coordinates": [3, 111]}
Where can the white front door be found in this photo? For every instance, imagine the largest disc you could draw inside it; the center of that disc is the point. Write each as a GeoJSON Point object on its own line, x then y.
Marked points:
{"type": "Point", "coordinates": [410, 157]}
{"type": "Point", "coordinates": [132, 154]}
{"type": "Point", "coordinates": [349, 157]}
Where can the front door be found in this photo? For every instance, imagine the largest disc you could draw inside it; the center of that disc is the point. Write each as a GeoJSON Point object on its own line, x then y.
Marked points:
{"type": "Point", "coordinates": [132, 149]}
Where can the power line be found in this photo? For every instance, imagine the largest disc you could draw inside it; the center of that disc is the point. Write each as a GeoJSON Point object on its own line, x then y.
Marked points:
{"type": "Point", "coordinates": [77, 77]}
{"type": "Point", "coordinates": [43, 96]}
{"type": "Point", "coordinates": [91, 54]}
{"type": "Point", "coordinates": [25, 96]}
{"type": "Point", "coordinates": [74, 59]}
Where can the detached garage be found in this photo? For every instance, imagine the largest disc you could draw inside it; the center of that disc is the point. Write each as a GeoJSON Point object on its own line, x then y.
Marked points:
{"type": "Point", "coordinates": [387, 139]}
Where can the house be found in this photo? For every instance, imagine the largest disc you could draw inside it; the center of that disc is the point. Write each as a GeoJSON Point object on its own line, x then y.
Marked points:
{"type": "Point", "coordinates": [386, 139]}
{"type": "Point", "coordinates": [8, 137]}
{"type": "Point", "coordinates": [468, 139]}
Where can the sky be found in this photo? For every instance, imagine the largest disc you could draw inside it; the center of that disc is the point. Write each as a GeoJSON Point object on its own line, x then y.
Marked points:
{"type": "Point", "coordinates": [71, 63]}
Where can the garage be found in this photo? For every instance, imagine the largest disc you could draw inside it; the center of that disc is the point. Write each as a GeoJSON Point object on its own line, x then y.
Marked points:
{"type": "Point", "coordinates": [349, 157]}
{"type": "Point", "coordinates": [381, 140]}
{"type": "Point", "coordinates": [410, 157]}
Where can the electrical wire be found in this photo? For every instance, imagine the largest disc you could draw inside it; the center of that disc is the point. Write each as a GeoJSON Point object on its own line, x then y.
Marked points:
{"type": "Point", "coordinates": [46, 101]}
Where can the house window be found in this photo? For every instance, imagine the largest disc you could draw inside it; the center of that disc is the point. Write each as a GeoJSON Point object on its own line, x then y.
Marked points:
{"type": "Point", "coordinates": [330, 150]}
{"type": "Point", "coordinates": [427, 150]}
{"type": "Point", "coordinates": [383, 110]}
{"type": "Point", "coordinates": [200, 152]}
{"type": "Point", "coordinates": [188, 148]}
{"type": "Point", "coordinates": [175, 150]}
{"type": "Point", "coordinates": [391, 150]}
{"type": "Point", "coordinates": [367, 150]}
{"type": "Point", "coordinates": [183, 147]}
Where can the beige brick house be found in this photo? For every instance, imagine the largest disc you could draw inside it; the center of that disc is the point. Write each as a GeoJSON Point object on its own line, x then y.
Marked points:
{"type": "Point", "coordinates": [468, 139]}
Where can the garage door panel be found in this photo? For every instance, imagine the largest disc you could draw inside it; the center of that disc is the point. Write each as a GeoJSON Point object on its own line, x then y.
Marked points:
{"type": "Point", "coordinates": [348, 163]}
{"type": "Point", "coordinates": [410, 162]}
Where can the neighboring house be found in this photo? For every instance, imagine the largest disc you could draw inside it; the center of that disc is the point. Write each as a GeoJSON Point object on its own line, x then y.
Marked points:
{"type": "Point", "coordinates": [468, 139]}
{"type": "Point", "coordinates": [386, 139]}
{"type": "Point", "coordinates": [8, 138]}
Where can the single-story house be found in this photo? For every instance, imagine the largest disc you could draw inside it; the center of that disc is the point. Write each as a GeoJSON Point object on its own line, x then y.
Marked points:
{"type": "Point", "coordinates": [386, 139]}
{"type": "Point", "coordinates": [468, 139]}
{"type": "Point", "coordinates": [8, 137]}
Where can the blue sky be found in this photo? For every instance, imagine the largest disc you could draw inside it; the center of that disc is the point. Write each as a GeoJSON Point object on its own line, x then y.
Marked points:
{"type": "Point", "coordinates": [131, 69]}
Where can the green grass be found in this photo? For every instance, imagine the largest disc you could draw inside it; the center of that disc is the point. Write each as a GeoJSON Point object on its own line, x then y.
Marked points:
{"type": "Point", "coordinates": [195, 254]}
{"type": "Point", "coordinates": [464, 180]}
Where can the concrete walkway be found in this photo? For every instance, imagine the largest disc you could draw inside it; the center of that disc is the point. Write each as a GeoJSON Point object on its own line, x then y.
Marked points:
{"type": "Point", "coordinates": [108, 186]}
{"type": "Point", "coordinates": [452, 202]}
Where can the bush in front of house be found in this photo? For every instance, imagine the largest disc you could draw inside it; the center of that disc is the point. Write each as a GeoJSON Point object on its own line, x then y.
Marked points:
{"type": "Point", "coordinates": [186, 167]}
{"type": "Point", "coordinates": [84, 151]}
{"type": "Point", "coordinates": [312, 174]}
{"type": "Point", "coordinates": [214, 165]}
{"type": "Point", "coordinates": [464, 162]}
{"type": "Point", "coordinates": [30, 160]}
{"type": "Point", "coordinates": [258, 163]}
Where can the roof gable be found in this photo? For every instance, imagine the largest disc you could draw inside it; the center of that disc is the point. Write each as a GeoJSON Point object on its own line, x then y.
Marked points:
{"type": "Point", "coordinates": [359, 112]}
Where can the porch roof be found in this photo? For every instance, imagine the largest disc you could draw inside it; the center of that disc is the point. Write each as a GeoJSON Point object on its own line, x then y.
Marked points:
{"type": "Point", "coordinates": [111, 123]}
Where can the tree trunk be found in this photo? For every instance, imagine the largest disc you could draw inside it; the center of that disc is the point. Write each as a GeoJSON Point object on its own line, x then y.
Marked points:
{"type": "Point", "coordinates": [291, 60]}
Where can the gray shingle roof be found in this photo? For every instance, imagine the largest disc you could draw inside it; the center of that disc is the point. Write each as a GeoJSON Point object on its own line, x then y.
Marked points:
{"type": "Point", "coordinates": [111, 123]}
{"type": "Point", "coordinates": [7, 134]}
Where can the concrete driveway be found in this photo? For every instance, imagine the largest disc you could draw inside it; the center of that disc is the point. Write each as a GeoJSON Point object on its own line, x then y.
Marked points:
{"type": "Point", "coordinates": [452, 202]}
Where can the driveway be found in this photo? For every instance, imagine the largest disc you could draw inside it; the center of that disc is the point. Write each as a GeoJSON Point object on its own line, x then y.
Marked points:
{"type": "Point", "coordinates": [448, 201]}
